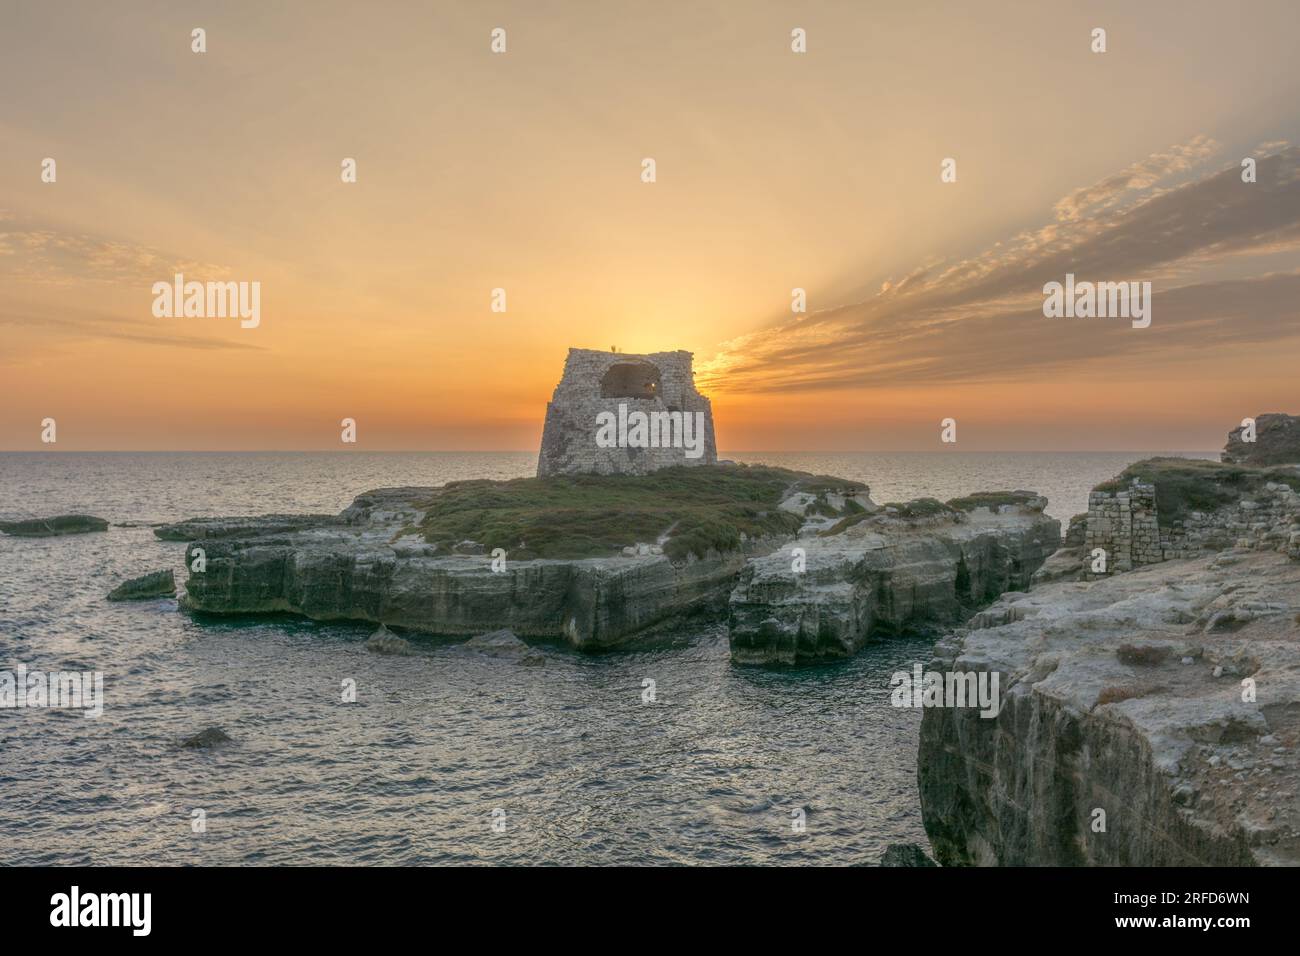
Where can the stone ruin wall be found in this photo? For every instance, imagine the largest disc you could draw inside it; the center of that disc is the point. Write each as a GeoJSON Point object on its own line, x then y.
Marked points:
{"type": "Point", "coordinates": [569, 435]}
{"type": "Point", "coordinates": [1126, 524]}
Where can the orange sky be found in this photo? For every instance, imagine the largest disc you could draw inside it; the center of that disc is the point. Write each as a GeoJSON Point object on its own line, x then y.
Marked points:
{"type": "Point", "coordinates": [522, 171]}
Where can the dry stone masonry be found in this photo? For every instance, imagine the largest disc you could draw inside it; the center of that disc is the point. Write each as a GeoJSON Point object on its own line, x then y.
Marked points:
{"type": "Point", "coordinates": [596, 382]}
{"type": "Point", "coordinates": [1127, 526]}
{"type": "Point", "coordinates": [1253, 507]}
{"type": "Point", "coordinates": [1124, 524]}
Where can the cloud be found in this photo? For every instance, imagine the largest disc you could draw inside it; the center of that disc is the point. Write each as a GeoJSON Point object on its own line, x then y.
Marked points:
{"type": "Point", "coordinates": [1141, 175]}
{"type": "Point", "coordinates": [91, 326]}
{"type": "Point", "coordinates": [980, 319]}
{"type": "Point", "coordinates": [45, 255]}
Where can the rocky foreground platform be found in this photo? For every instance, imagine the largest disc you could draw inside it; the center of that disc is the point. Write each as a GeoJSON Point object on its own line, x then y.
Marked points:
{"type": "Point", "coordinates": [1167, 698]}
{"type": "Point", "coordinates": [1150, 705]}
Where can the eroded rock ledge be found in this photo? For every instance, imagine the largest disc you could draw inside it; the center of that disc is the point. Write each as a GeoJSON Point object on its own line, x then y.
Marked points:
{"type": "Point", "coordinates": [1125, 695]}
{"type": "Point", "coordinates": [913, 567]}
{"type": "Point", "coordinates": [603, 560]}
{"type": "Point", "coordinates": [596, 560]}
{"type": "Point", "coordinates": [1151, 700]}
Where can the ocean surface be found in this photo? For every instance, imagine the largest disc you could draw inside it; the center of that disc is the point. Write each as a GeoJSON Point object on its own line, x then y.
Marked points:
{"type": "Point", "coordinates": [437, 752]}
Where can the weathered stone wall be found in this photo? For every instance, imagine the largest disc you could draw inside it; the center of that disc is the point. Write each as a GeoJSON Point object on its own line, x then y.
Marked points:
{"type": "Point", "coordinates": [1124, 523]}
{"type": "Point", "coordinates": [569, 436]}
{"type": "Point", "coordinates": [1268, 520]}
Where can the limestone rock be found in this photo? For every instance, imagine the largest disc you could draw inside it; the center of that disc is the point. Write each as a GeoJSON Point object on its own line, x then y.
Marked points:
{"type": "Point", "coordinates": [1099, 712]}
{"type": "Point", "coordinates": [207, 739]}
{"type": "Point", "coordinates": [504, 644]}
{"type": "Point", "coordinates": [384, 641]}
{"type": "Point", "coordinates": [905, 854]}
{"type": "Point", "coordinates": [912, 567]}
{"type": "Point", "coordinates": [203, 529]}
{"type": "Point", "coordinates": [369, 567]}
{"type": "Point", "coordinates": [1277, 442]}
{"type": "Point", "coordinates": [52, 527]}
{"type": "Point", "coordinates": [156, 584]}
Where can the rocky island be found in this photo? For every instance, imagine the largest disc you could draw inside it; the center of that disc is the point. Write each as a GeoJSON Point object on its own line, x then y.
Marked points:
{"type": "Point", "coordinates": [600, 561]}
{"type": "Point", "coordinates": [609, 545]}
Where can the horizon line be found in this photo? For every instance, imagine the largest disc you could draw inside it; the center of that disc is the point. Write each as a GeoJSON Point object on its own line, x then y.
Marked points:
{"type": "Point", "coordinates": [529, 451]}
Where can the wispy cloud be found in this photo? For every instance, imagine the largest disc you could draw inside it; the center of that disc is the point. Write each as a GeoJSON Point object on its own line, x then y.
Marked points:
{"type": "Point", "coordinates": [47, 259]}
{"type": "Point", "coordinates": [47, 255]}
{"type": "Point", "coordinates": [87, 326]}
{"type": "Point", "coordinates": [980, 319]}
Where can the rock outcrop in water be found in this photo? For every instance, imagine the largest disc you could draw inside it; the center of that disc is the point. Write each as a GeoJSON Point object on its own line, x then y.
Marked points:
{"type": "Point", "coordinates": [203, 529]}
{"type": "Point", "coordinates": [921, 566]}
{"type": "Point", "coordinates": [372, 574]}
{"type": "Point", "coordinates": [905, 855]}
{"type": "Point", "coordinates": [600, 561]}
{"type": "Point", "coordinates": [505, 645]}
{"type": "Point", "coordinates": [384, 641]}
{"type": "Point", "coordinates": [1150, 712]}
{"type": "Point", "coordinates": [551, 564]}
{"type": "Point", "coordinates": [155, 585]}
{"type": "Point", "coordinates": [207, 739]}
{"type": "Point", "coordinates": [52, 527]}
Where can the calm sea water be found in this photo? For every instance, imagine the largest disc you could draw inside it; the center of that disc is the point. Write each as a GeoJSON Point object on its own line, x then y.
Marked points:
{"type": "Point", "coordinates": [414, 770]}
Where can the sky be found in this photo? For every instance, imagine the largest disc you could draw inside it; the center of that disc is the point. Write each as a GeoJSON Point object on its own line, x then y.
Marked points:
{"type": "Point", "coordinates": [522, 170]}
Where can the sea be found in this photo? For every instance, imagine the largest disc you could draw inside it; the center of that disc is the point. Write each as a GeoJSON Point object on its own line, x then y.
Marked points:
{"type": "Point", "coordinates": [443, 758]}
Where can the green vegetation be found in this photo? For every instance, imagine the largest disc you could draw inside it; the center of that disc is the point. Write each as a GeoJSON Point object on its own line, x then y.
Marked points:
{"type": "Point", "coordinates": [917, 508]}
{"type": "Point", "coordinates": [699, 508]}
{"type": "Point", "coordinates": [1184, 485]}
{"type": "Point", "coordinates": [992, 500]}
{"type": "Point", "coordinates": [844, 524]}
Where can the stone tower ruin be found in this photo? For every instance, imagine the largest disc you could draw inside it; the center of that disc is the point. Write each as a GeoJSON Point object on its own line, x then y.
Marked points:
{"type": "Point", "coordinates": [600, 388]}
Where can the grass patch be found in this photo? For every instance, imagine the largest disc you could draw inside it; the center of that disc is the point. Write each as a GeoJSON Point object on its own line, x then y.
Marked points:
{"type": "Point", "coordinates": [580, 516]}
{"type": "Point", "coordinates": [919, 508]}
{"type": "Point", "coordinates": [1143, 655]}
{"type": "Point", "coordinates": [1184, 485]}
{"type": "Point", "coordinates": [992, 500]}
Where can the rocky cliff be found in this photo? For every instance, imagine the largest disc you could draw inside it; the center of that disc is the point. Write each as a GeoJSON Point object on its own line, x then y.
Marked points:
{"type": "Point", "coordinates": [1150, 709]}
{"type": "Point", "coordinates": [1147, 719]}
{"type": "Point", "coordinates": [603, 560]}
{"type": "Point", "coordinates": [1277, 441]}
{"type": "Point", "coordinates": [911, 567]}
{"type": "Point", "coordinates": [364, 574]}
{"type": "Point", "coordinates": [595, 560]}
